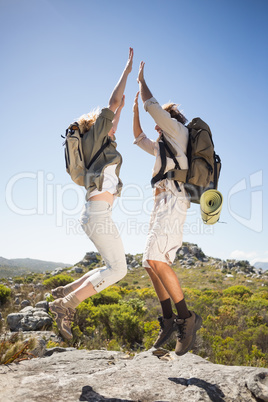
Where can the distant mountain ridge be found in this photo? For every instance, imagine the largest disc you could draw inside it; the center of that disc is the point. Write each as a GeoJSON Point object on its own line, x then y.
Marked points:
{"type": "Point", "coordinates": [22, 266]}
{"type": "Point", "coordinates": [263, 265]}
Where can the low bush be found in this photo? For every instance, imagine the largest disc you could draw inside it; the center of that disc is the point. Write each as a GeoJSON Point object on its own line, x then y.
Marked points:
{"type": "Point", "coordinates": [5, 293]}
{"type": "Point", "coordinates": [57, 280]}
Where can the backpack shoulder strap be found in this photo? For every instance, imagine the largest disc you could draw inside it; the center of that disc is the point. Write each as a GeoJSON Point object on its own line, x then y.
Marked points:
{"type": "Point", "coordinates": [170, 174]}
{"type": "Point", "coordinates": [160, 174]}
{"type": "Point", "coordinates": [97, 154]}
{"type": "Point", "coordinates": [170, 152]}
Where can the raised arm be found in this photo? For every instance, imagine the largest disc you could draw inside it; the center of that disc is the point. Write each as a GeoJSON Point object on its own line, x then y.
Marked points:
{"type": "Point", "coordinates": [117, 117]}
{"type": "Point", "coordinates": [137, 130]}
{"type": "Point", "coordinates": [140, 138]}
{"type": "Point", "coordinates": [144, 90]}
{"type": "Point", "coordinates": [119, 89]}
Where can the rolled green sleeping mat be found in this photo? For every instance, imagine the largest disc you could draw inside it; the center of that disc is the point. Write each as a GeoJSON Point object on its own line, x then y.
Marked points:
{"type": "Point", "coordinates": [211, 205]}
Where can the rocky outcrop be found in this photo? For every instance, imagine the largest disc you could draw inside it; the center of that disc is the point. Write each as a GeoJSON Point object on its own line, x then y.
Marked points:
{"type": "Point", "coordinates": [30, 318]}
{"type": "Point", "coordinates": [133, 261]}
{"type": "Point", "coordinates": [80, 375]}
{"type": "Point", "coordinates": [191, 256]}
{"type": "Point", "coordinates": [90, 258]}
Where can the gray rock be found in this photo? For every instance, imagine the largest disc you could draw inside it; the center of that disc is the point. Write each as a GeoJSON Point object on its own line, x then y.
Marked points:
{"type": "Point", "coordinates": [25, 303]}
{"type": "Point", "coordinates": [258, 385]}
{"type": "Point", "coordinates": [40, 349]}
{"type": "Point", "coordinates": [184, 250]}
{"type": "Point", "coordinates": [81, 375]}
{"type": "Point", "coordinates": [27, 309]}
{"type": "Point", "coordinates": [56, 271]}
{"type": "Point", "coordinates": [39, 285]}
{"type": "Point", "coordinates": [17, 301]}
{"type": "Point", "coordinates": [78, 270]}
{"type": "Point", "coordinates": [13, 320]}
{"type": "Point", "coordinates": [42, 304]}
{"type": "Point", "coordinates": [30, 318]}
{"type": "Point", "coordinates": [89, 258]}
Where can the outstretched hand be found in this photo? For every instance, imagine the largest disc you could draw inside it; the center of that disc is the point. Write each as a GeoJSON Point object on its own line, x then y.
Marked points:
{"type": "Point", "coordinates": [128, 68]}
{"type": "Point", "coordinates": [141, 72]}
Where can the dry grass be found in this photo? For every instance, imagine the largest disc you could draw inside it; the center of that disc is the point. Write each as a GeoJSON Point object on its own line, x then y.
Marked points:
{"type": "Point", "coordinates": [15, 349]}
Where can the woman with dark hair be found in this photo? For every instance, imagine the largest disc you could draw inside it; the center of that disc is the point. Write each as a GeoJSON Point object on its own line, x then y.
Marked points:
{"type": "Point", "coordinates": [168, 216]}
{"type": "Point", "coordinates": [103, 185]}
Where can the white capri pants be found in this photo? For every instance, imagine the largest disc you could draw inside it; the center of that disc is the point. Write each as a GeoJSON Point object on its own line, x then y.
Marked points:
{"type": "Point", "coordinates": [97, 223]}
{"type": "Point", "coordinates": [166, 228]}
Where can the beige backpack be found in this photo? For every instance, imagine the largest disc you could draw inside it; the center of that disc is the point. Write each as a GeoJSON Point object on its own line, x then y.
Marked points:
{"type": "Point", "coordinates": [74, 157]}
{"type": "Point", "coordinates": [204, 164]}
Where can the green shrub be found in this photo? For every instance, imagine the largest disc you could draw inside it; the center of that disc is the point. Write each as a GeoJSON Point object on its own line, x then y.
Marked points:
{"type": "Point", "coordinates": [237, 291]}
{"type": "Point", "coordinates": [107, 296]}
{"type": "Point", "coordinates": [28, 279]}
{"type": "Point", "coordinates": [136, 304]}
{"type": "Point", "coordinates": [18, 279]}
{"type": "Point", "coordinates": [113, 345]}
{"type": "Point", "coordinates": [146, 293]}
{"type": "Point", "coordinates": [126, 326]}
{"type": "Point", "coordinates": [151, 330]}
{"type": "Point", "coordinates": [110, 321]}
{"type": "Point", "coordinates": [5, 293]}
{"type": "Point", "coordinates": [57, 280]}
{"type": "Point", "coordinates": [124, 284]}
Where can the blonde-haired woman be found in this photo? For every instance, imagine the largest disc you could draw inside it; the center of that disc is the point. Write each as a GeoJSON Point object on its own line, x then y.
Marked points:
{"type": "Point", "coordinates": [103, 185]}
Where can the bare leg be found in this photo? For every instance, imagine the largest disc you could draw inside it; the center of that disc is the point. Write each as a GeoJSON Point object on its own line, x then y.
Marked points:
{"type": "Point", "coordinates": [84, 291]}
{"type": "Point", "coordinates": [159, 288]}
{"type": "Point", "coordinates": [168, 279]}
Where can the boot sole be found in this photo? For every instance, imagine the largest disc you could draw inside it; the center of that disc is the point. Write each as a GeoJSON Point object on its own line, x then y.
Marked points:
{"type": "Point", "coordinates": [198, 324]}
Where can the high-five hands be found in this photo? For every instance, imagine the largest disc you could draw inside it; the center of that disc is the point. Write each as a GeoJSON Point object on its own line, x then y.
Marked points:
{"type": "Point", "coordinates": [141, 72]}
{"type": "Point", "coordinates": [128, 68]}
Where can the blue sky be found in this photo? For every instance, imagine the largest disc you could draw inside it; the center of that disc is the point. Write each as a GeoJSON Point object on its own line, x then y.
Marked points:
{"type": "Point", "coordinates": [60, 59]}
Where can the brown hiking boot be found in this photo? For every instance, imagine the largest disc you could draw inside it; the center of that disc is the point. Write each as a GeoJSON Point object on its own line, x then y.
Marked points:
{"type": "Point", "coordinates": [186, 332]}
{"type": "Point", "coordinates": [58, 293]}
{"type": "Point", "coordinates": [63, 316]}
{"type": "Point", "coordinates": [167, 326]}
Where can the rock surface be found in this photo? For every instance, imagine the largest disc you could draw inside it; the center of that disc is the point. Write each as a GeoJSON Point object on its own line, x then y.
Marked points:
{"type": "Point", "coordinates": [30, 318]}
{"type": "Point", "coordinates": [80, 375]}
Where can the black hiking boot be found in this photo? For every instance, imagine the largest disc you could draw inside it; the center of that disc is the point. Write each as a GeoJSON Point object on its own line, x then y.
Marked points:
{"type": "Point", "coordinates": [186, 332]}
{"type": "Point", "coordinates": [167, 326]}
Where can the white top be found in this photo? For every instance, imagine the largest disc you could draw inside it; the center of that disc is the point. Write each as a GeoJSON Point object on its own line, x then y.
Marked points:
{"type": "Point", "coordinates": [110, 181]}
{"type": "Point", "coordinates": [176, 133]}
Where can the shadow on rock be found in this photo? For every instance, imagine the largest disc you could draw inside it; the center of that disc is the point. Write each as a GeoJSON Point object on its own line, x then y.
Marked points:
{"type": "Point", "coordinates": [88, 394]}
{"type": "Point", "coordinates": [213, 391]}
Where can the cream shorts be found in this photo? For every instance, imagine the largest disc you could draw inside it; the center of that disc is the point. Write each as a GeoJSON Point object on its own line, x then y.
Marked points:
{"type": "Point", "coordinates": [166, 228]}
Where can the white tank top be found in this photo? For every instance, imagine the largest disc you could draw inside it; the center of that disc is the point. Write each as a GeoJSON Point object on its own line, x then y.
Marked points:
{"type": "Point", "coordinates": [110, 181]}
